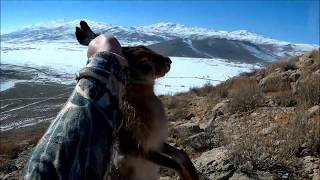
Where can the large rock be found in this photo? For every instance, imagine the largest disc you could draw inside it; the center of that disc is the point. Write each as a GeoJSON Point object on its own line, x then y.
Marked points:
{"type": "Point", "coordinates": [222, 108]}
{"type": "Point", "coordinates": [276, 81]}
{"type": "Point", "coordinates": [212, 128]}
{"type": "Point", "coordinates": [185, 130]}
{"type": "Point", "coordinates": [215, 164]}
{"type": "Point", "coordinates": [197, 141]}
{"type": "Point", "coordinates": [202, 141]}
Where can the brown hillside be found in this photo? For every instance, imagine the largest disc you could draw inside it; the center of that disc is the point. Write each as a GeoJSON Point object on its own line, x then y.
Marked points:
{"type": "Point", "coordinates": [263, 124]}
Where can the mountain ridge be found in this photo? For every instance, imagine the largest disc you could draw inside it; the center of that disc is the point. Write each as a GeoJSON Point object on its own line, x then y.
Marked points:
{"type": "Point", "coordinates": [258, 48]}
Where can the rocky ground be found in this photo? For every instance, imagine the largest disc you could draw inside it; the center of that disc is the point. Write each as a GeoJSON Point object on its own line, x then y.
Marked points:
{"type": "Point", "coordinates": [259, 125]}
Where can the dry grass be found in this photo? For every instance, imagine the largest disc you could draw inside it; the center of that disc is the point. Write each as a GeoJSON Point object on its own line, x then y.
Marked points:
{"type": "Point", "coordinates": [14, 141]}
{"type": "Point", "coordinates": [308, 91]}
{"type": "Point", "coordinates": [223, 89]}
{"type": "Point", "coordinates": [211, 91]}
{"type": "Point", "coordinates": [245, 94]}
{"type": "Point", "coordinates": [284, 99]}
{"type": "Point", "coordinates": [280, 148]}
{"type": "Point", "coordinates": [282, 65]}
{"type": "Point", "coordinates": [277, 83]}
{"type": "Point", "coordinates": [298, 135]}
{"type": "Point", "coordinates": [315, 55]}
{"type": "Point", "coordinates": [294, 136]}
{"type": "Point", "coordinates": [10, 150]}
{"type": "Point", "coordinates": [176, 106]}
{"type": "Point", "coordinates": [205, 90]}
{"type": "Point", "coordinates": [277, 80]}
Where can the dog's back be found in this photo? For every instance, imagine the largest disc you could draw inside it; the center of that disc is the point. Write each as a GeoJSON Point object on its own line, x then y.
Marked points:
{"type": "Point", "coordinates": [147, 129]}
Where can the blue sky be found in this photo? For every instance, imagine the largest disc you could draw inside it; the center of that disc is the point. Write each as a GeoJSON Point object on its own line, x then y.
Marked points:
{"type": "Point", "coordinates": [294, 21]}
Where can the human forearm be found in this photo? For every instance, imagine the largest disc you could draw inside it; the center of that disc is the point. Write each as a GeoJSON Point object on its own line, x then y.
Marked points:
{"type": "Point", "coordinates": [78, 142]}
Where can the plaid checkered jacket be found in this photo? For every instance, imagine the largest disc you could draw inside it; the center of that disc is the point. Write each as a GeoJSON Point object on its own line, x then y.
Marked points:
{"type": "Point", "coordinates": [78, 143]}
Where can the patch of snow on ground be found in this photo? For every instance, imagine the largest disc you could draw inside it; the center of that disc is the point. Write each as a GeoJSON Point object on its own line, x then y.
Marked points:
{"type": "Point", "coordinates": [67, 58]}
{"type": "Point", "coordinates": [187, 73]}
{"type": "Point", "coordinates": [4, 85]}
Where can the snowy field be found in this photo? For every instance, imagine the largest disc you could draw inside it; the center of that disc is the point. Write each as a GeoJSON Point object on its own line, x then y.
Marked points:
{"type": "Point", "coordinates": [58, 62]}
{"type": "Point", "coordinates": [63, 60]}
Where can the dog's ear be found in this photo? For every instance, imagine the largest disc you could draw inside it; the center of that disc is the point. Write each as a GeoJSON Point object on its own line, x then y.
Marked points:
{"type": "Point", "coordinates": [84, 34]}
{"type": "Point", "coordinates": [128, 53]}
{"type": "Point", "coordinates": [135, 50]}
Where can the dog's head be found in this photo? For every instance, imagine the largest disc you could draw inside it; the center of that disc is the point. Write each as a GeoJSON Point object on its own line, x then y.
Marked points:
{"type": "Point", "coordinates": [145, 64]}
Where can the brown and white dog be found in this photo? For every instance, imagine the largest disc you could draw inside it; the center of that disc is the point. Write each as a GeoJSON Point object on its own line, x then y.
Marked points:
{"type": "Point", "coordinates": [142, 138]}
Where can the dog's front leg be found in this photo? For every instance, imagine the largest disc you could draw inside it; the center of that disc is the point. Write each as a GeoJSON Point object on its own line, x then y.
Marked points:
{"type": "Point", "coordinates": [175, 159]}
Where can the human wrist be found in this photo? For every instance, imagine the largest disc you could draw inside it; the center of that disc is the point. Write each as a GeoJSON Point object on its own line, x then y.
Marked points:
{"type": "Point", "coordinates": [109, 62]}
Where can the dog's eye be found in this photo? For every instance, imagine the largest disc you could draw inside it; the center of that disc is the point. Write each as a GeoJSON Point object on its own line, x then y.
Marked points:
{"type": "Point", "coordinates": [145, 67]}
{"type": "Point", "coordinates": [144, 60]}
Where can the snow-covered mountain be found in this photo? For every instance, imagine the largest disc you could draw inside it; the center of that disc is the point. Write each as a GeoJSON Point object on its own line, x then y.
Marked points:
{"type": "Point", "coordinates": [171, 39]}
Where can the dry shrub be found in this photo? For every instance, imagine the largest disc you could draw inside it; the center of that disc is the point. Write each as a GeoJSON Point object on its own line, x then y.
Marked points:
{"type": "Point", "coordinates": [276, 82]}
{"type": "Point", "coordinates": [251, 151]}
{"type": "Point", "coordinates": [209, 90]}
{"type": "Point", "coordinates": [176, 106]}
{"type": "Point", "coordinates": [245, 94]}
{"type": "Point", "coordinates": [213, 94]}
{"type": "Point", "coordinates": [315, 54]}
{"type": "Point", "coordinates": [283, 65]}
{"type": "Point", "coordinates": [284, 98]}
{"type": "Point", "coordinates": [223, 88]}
{"type": "Point", "coordinates": [300, 130]}
{"type": "Point", "coordinates": [308, 91]}
{"type": "Point", "coordinates": [280, 148]}
{"type": "Point", "coordinates": [12, 149]}
{"type": "Point", "coordinates": [9, 149]}
{"type": "Point", "coordinates": [204, 90]}
{"type": "Point", "coordinates": [172, 102]}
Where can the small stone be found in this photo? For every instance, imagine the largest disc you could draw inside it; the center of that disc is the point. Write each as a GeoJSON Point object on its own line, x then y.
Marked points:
{"type": "Point", "coordinates": [221, 108]}
{"type": "Point", "coordinates": [313, 111]}
{"type": "Point", "coordinates": [317, 72]}
{"type": "Point", "coordinates": [294, 77]}
{"type": "Point", "coordinates": [239, 176]}
{"type": "Point", "coordinates": [197, 141]}
{"type": "Point", "coordinates": [215, 164]}
{"type": "Point", "coordinates": [277, 70]}
{"type": "Point", "coordinates": [204, 140]}
{"type": "Point", "coordinates": [310, 167]}
{"type": "Point", "coordinates": [268, 130]}
{"type": "Point", "coordinates": [185, 130]}
{"type": "Point", "coordinates": [189, 116]}
{"type": "Point", "coordinates": [285, 176]}
{"type": "Point", "coordinates": [9, 167]}
{"type": "Point", "coordinates": [262, 175]}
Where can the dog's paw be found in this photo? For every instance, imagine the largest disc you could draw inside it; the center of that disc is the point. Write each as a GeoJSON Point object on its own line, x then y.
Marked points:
{"type": "Point", "coordinates": [84, 34]}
